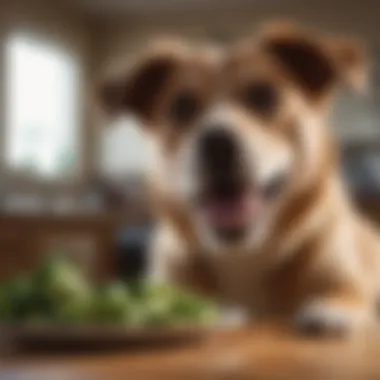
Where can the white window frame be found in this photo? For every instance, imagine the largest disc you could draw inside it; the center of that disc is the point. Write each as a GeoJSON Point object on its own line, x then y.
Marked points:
{"type": "Point", "coordinates": [21, 179]}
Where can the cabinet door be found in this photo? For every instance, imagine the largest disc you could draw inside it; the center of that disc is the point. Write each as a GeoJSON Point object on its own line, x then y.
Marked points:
{"type": "Point", "coordinates": [18, 255]}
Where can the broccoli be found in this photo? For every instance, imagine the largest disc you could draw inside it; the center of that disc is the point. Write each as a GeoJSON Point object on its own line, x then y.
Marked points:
{"type": "Point", "coordinates": [58, 293]}
{"type": "Point", "coordinates": [112, 304]}
{"type": "Point", "coordinates": [62, 281]}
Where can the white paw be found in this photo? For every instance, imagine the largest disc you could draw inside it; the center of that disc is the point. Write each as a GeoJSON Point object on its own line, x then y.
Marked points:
{"type": "Point", "coordinates": [318, 318]}
{"type": "Point", "coordinates": [234, 317]}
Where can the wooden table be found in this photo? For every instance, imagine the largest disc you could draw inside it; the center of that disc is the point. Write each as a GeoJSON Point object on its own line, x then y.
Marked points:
{"type": "Point", "coordinates": [264, 351]}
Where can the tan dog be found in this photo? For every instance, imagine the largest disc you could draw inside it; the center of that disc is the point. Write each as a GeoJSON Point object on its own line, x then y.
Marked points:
{"type": "Point", "coordinates": [244, 176]}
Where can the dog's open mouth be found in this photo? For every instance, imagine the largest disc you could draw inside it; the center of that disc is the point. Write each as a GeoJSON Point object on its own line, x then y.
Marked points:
{"type": "Point", "coordinates": [231, 207]}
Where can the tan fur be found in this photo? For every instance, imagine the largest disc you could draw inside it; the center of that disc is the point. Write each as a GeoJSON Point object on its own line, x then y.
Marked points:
{"type": "Point", "coordinates": [318, 261]}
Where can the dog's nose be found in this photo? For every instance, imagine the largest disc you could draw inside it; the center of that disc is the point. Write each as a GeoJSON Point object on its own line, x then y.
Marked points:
{"type": "Point", "coordinates": [218, 150]}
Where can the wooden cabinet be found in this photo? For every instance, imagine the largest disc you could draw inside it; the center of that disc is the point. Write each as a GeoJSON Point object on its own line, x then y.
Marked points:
{"type": "Point", "coordinates": [90, 240]}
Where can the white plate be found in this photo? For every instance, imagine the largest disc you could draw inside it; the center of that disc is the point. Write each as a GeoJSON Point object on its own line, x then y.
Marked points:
{"type": "Point", "coordinates": [99, 335]}
{"type": "Point", "coordinates": [61, 335]}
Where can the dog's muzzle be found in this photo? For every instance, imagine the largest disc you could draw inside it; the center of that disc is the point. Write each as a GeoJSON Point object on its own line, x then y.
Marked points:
{"type": "Point", "coordinates": [224, 186]}
{"type": "Point", "coordinates": [230, 199]}
{"type": "Point", "coordinates": [218, 154]}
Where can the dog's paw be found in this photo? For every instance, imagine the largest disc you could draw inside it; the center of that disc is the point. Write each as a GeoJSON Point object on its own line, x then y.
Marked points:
{"type": "Point", "coordinates": [319, 318]}
{"type": "Point", "coordinates": [234, 317]}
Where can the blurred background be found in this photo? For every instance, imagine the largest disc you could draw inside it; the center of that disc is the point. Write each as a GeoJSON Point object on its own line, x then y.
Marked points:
{"type": "Point", "coordinates": [67, 179]}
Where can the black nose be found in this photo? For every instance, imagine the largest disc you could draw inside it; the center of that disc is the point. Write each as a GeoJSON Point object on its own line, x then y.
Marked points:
{"type": "Point", "coordinates": [218, 151]}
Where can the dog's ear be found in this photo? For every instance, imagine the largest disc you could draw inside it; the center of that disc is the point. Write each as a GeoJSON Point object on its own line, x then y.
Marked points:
{"type": "Point", "coordinates": [316, 64]}
{"type": "Point", "coordinates": [351, 62]}
{"type": "Point", "coordinates": [138, 89]}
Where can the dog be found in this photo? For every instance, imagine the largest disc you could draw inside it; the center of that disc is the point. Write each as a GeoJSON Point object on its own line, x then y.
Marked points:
{"type": "Point", "coordinates": [244, 175]}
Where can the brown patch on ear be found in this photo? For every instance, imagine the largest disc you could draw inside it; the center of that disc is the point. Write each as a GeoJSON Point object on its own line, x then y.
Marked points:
{"type": "Point", "coordinates": [306, 63]}
{"type": "Point", "coordinates": [147, 84]}
{"type": "Point", "coordinates": [315, 63]}
{"type": "Point", "coordinates": [302, 57]}
{"type": "Point", "coordinates": [138, 89]}
{"type": "Point", "coordinates": [351, 61]}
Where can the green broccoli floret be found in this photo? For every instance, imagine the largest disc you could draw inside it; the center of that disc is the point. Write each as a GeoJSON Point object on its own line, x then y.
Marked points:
{"type": "Point", "coordinates": [61, 292]}
{"type": "Point", "coordinates": [17, 302]}
{"type": "Point", "coordinates": [189, 308]}
{"type": "Point", "coordinates": [61, 280]}
{"type": "Point", "coordinates": [165, 305]}
{"type": "Point", "coordinates": [112, 303]}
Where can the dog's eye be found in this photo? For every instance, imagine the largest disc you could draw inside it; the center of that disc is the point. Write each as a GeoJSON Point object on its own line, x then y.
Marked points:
{"type": "Point", "coordinates": [261, 97]}
{"type": "Point", "coordinates": [184, 107]}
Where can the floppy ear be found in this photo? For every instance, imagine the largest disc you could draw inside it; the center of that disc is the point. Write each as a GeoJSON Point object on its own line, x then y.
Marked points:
{"type": "Point", "coordinates": [138, 89]}
{"type": "Point", "coordinates": [316, 64]}
{"type": "Point", "coordinates": [351, 62]}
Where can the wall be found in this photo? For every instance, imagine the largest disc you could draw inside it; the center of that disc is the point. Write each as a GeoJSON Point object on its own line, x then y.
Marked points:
{"type": "Point", "coordinates": [121, 37]}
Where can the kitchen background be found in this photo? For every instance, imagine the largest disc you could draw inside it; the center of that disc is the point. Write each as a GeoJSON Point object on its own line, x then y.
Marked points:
{"type": "Point", "coordinates": [70, 178]}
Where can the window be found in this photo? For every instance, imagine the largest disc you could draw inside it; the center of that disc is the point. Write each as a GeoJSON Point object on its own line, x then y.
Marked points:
{"type": "Point", "coordinates": [42, 109]}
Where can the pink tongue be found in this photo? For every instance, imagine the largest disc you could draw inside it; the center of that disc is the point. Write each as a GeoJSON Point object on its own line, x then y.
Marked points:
{"type": "Point", "coordinates": [233, 213]}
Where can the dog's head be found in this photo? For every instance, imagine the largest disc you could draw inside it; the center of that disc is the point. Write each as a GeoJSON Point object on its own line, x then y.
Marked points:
{"type": "Point", "coordinates": [233, 134]}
